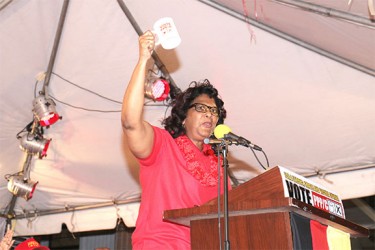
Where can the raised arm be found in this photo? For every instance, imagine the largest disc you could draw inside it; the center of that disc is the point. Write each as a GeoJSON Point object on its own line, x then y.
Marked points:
{"type": "Point", "coordinates": [139, 133]}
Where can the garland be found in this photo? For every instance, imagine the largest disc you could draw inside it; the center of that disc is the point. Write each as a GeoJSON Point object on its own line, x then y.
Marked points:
{"type": "Point", "coordinates": [201, 165]}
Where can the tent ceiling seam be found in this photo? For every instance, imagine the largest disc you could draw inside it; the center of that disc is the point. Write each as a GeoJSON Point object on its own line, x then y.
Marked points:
{"type": "Point", "coordinates": [337, 171]}
{"type": "Point", "coordinates": [289, 37]}
{"type": "Point", "coordinates": [67, 209]}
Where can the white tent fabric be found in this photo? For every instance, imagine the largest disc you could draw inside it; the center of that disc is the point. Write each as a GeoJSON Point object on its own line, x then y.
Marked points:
{"type": "Point", "coordinates": [309, 113]}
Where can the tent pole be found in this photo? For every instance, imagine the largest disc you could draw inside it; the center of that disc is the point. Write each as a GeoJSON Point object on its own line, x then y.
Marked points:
{"type": "Point", "coordinates": [55, 45]}
{"type": "Point", "coordinates": [76, 208]}
{"type": "Point", "coordinates": [329, 12]}
{"type": "Point", "coordinates": [174, 89]}
{"type": "Point", "coordinates": [26, 167]}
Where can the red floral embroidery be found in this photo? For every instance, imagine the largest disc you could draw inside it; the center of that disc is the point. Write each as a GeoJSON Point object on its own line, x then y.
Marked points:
{"type": "Point", "coordinates": [201, 165]}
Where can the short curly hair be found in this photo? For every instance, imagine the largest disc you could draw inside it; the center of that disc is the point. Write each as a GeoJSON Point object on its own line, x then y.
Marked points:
{"type": "Point", "coordinates": [180, 106]}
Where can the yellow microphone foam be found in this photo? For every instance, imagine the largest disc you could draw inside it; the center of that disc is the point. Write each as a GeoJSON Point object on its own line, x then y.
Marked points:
{"type": "Point", "coordinates": [221, 130]}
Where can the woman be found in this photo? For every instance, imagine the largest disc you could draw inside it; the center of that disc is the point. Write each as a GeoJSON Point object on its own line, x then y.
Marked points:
{"type": "Point", "coordinates": [177, 170]}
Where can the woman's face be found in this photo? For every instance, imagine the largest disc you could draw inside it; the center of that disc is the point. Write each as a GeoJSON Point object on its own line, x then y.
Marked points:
{"type": "Point", "coordinates": [200, 124]}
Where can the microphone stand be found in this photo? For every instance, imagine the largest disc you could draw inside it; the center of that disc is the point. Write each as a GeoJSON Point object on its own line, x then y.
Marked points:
{"type": "Point", "coordinates": [223, 148]}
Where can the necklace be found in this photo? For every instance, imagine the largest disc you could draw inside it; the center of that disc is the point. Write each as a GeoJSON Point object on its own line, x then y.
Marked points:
{"type": "Point", "coordinates": [201, 165]}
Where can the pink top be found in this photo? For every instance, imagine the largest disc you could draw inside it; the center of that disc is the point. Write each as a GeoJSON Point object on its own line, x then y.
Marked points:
{"type": "Point", "coordinates": [166, 185]}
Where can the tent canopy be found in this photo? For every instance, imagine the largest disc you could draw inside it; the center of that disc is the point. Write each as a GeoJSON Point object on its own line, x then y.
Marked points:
{"type": "Point", "coordinates": [296, 80]}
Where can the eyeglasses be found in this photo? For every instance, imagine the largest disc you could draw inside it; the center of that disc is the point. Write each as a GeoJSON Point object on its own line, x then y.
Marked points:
{"type": "Point", "coordinates": [203, 108]}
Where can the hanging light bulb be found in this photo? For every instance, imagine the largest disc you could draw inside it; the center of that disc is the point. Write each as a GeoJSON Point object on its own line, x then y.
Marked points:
{"type": "Point", "coordinates": [45, 110]}
{"type": "Point", "coordinates": [34, 144]}
{"type": "Point", "coordinates": [157, 89]}
{"type": "Point", "coordinates": [21, 187]}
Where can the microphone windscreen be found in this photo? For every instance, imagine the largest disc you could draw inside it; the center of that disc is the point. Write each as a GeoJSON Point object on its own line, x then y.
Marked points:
{"type": "Point", "coordinates": [221, 130]}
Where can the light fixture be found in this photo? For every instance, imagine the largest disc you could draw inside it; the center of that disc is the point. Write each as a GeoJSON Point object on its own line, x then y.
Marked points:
{"type": "Point", "coordinates": [157, 89]}
{"type": "Point", "coordinates": [45, 110]}
{"type": "Point", "coordinates": [21, 187]}
{"type": "Point", "coordinates": [34, 144]}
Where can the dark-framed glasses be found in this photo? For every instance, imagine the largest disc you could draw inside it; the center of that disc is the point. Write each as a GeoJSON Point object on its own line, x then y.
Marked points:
{"type": "Point", "coordinates": [203, 108]}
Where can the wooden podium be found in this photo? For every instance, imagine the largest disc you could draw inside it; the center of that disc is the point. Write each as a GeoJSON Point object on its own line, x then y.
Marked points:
{"type": "Point", "coordinates": [259, 217]}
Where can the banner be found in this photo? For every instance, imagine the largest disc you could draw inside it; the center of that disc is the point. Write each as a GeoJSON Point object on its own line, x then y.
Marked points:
{"type": "Point", "coordinates": [302, 189]}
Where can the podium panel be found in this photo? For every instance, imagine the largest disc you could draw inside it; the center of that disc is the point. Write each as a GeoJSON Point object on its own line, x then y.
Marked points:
{"type": "Point", "coordinates": [259, 213]}
{"type": "Point", "coordinates": [256, 231]}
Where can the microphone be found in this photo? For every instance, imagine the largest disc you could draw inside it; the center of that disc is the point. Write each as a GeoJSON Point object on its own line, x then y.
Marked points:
{"type": "Point", "coordinates": [223, 131]}
{"type": "Point", "coordinates": [215, 141]}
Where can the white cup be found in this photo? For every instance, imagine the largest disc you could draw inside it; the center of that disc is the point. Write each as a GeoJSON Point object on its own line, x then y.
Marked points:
{"type": "Point", "coordinates": [166, 33]}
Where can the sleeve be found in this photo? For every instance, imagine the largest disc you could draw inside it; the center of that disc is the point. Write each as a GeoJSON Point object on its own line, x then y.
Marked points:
{"type": "Point", "coordinates": [158, 140]}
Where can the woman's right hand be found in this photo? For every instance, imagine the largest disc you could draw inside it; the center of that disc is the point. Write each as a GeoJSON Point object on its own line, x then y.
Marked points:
{"type": "Point", "coordinates": [146, 45]}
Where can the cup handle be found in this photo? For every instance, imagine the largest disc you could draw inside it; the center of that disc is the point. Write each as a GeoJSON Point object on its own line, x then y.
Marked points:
{"type": "Point", "coordinates": [156, 37]}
